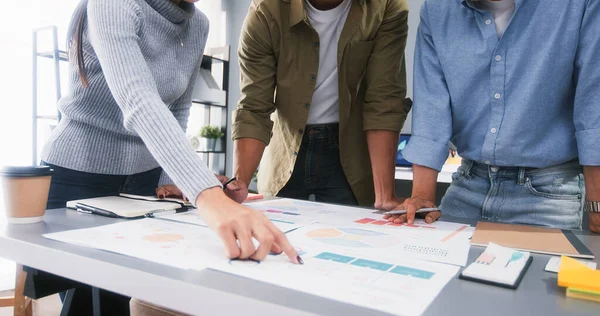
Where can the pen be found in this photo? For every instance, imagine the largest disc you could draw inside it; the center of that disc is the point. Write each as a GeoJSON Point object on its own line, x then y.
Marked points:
{"type": "Point", "coordinates": [421, 210]}
{"type": "Point", "coordinates": [228, 182]}
{"type": "Point", "coordinates": [160, 213]}
{"type": "Point", "coordinates": [84, 208]}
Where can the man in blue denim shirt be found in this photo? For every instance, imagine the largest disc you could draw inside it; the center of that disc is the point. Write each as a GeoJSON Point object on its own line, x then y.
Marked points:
{"type": "Point", "coordinates": [515, 85]}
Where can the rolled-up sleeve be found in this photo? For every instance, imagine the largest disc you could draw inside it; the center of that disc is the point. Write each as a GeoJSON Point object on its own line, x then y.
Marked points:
{"type": "Point", "coordinates": [258, 68]}
{"type": "Point", "coordinates": [386, 106]}
{"type": "Point", "coordinates": [587, 94]}
{"type": "Point", "coordinates": [432, 118]}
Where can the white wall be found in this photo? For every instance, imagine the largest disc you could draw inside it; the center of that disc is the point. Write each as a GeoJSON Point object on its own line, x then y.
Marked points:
{"type": "Point", "coordinates": [236, 12]}
{"type": "Point", "coordinates": [17, 21]}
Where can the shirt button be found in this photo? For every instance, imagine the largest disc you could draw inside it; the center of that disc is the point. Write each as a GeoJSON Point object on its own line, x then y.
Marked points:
{"type": "Point", "coordinates": [295, 154]}
{"type": "Point", "coordinates": [300, 131]}
{"type": "Point", "coordinates": [498, 58]}
{"type": "Point", "coordinates": [487, 162]}
{"type": "Point", "coordinates": [493, 130]}
{"type": "Point", "coordinates": [306, 105]}
{"type": "Point", "coordinates": [313, 77]}
{"type": "Point", "coordinates": [488, 22]}
{"type": "Point", "coordinates": [497, 96]}
{"type": "Point", "coordinates": [316, 44]}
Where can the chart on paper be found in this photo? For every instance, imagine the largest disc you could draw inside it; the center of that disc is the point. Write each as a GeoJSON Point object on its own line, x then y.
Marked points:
{"type": "Point", "coordinates": [410, 243]}
{"type": "Point", "coordinates": [444, 231]}
{"type": "Point", "coordinates": [402, 287]}
{"type": "Point", "coordinates": [306, 212]}
{"type": "Point", "coordinates": [192, 217]}
{"type": "Point", "coordinates": [164, 242]}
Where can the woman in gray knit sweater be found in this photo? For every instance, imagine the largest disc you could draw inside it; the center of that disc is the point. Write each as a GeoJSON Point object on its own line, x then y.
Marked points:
{"type": "Point", "coordinates": [133, 67]}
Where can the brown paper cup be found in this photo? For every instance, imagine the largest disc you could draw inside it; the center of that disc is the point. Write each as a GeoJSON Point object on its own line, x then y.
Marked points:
{"type": "Point", "coordinates": [25, 191]}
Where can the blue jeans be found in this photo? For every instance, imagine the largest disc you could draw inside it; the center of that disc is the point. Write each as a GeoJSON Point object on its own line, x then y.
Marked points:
{"type": "Point", "coordinates": [552, 197]}
{"type": "Point", "coordinates": [318, 169]}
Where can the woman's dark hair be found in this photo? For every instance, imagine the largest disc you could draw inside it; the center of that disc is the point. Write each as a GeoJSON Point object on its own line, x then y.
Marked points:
{"type": "Point", "coordinates": [75, 39]}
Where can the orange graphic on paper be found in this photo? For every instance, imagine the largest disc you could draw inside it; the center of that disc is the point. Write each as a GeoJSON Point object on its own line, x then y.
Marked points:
{"type": "Point", "coordinates": [163, 237]}
{"type": "Point", "coordinates": [325, 233]}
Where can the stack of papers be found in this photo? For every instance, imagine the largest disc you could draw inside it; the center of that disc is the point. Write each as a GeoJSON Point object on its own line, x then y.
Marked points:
{"type": "Point", "coordinates": [350, 254]}
{"type": "Point", "coordinates": [581, 281]}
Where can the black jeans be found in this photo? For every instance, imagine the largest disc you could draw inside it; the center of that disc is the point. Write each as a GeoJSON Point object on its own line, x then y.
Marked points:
{"type": "Point", "coordinates": [318, 169]}
{"type": "Point", "coordinates": [70, 185]}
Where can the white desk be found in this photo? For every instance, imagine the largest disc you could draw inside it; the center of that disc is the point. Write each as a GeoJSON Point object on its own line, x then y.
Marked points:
{"type": "Point", "coordinates": [445, 176]}
{"type": "Point", "coordinates": [210, 292]}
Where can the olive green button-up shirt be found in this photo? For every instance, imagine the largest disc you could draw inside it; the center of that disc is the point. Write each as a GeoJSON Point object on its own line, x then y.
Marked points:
{"type": "Point", "coordinates": [279, 59]}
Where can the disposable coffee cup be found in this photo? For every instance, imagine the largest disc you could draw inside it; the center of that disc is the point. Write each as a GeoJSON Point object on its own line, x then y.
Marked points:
{"type": "Point", "coordinates": [25, 191]}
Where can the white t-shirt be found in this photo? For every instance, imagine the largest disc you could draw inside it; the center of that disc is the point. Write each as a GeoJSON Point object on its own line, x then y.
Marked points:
{"type": "Point", "coordinates": [502, 10]}
{"type": "Point", "coordinates": [324, 107]}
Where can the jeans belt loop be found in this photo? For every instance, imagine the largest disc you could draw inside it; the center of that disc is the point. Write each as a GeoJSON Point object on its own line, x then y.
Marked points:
{"type": "Point", "coordinates": [468, 168]}
{"type": "Point", "coordinates": [521, 178]}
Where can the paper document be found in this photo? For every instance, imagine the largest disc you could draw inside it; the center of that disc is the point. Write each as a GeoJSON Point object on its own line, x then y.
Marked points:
{"type": "Point", "coordinates": [306, 212]}
{"type": "Point", "coordinates": [192, 217]}
{"type": "Point", "coordinates": [449, 243]}
{"type": "Point", "coordinates": [400, 287]}
{"type": "Point", "coordinates": [350, 264]}
{"type": "Point", "coordinates": [554, 263]}
{"type": "Point", "coordinates": [165, 242]}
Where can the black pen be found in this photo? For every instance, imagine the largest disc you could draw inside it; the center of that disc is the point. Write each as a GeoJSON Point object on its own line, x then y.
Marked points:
{"type": "Point", "coordinates": [228, 182]}
{"type": "Point", "coordinates": [94, 210]}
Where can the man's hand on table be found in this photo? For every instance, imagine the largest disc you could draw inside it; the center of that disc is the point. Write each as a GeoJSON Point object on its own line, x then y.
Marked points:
{"type": "Point", "coordinates": [411, 205]}
{"type": "Point", "coordinates": [388, 204]}
{"type": "Point", "coordinates": [236, 190]}
{"type": "Point", "coordinates": [595, 222]}
{"type": "Point", "coordinates": [237, 225]}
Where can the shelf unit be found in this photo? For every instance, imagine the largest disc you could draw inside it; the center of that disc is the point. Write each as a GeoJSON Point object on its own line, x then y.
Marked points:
{"type": "Point", "coordinates": [211, 106]}
{"type": "Point", "coordinates": [211, 103]}
{"type": "Point", "coordinates": [58, 56]}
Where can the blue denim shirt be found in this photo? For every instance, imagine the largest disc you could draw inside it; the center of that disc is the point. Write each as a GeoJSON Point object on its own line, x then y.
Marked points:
{"type": "Point", "coordinates": [529, 99]}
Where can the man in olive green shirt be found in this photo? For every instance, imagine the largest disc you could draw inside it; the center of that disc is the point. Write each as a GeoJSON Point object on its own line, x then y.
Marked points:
{"type": "Point", "coordinates": [332, 74]}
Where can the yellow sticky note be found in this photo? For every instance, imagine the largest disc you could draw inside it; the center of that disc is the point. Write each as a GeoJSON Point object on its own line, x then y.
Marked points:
{"type": "Point", "coordinates": [584, 295]}
{"type": "Point", "coordinates": [575, 274]}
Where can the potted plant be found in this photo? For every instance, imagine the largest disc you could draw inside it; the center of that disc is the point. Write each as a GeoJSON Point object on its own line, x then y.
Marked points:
{"type": "Point", "coordinates": [211, 133]}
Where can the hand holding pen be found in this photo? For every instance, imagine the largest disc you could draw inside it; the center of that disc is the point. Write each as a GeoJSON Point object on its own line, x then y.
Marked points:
{"type": "Point", "coordinates": [235, 189]}
{"type": "Point", "coordinates": [408, 210]}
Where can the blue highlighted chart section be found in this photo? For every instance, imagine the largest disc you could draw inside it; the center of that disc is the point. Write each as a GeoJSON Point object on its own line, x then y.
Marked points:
{"type": "Point", "coordinates": [372, 264]}
{"type": "Point", "coordinates": [334, 257]}
{"type": "Point", "coordinates": [376, 265]}
{"type": "Point", "coordinates": [421, 274]}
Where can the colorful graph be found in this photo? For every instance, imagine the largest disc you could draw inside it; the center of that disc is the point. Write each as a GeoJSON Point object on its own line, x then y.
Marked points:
{"type": "Point", "coordinates": [376, 265]}
{"type": "Point", "coordinates": [372, 221]}
{"type": "Point", "coordinates": [159, 238]}
{"type": "Point", "coordinates": [454, 233]}
{"type": "Point", "coordinates": [282, 212]}
{"type": "Point", "coordinates": [353, 237]}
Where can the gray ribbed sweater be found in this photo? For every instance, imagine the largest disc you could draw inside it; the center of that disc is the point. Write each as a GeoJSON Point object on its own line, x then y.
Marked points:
{"type": "Point", "coordinates": [130, 117]}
